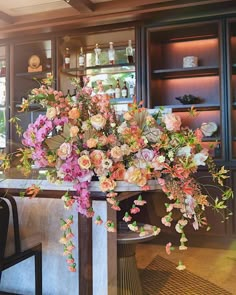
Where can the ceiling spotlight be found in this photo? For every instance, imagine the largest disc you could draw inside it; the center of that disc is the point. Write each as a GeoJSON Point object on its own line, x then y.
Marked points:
{"type": "Point", "coordinates": [67, 1]}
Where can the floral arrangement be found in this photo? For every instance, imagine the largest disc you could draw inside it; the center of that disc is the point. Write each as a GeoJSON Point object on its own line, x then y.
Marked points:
{"type": "Point", "coordinates": [82, 137]}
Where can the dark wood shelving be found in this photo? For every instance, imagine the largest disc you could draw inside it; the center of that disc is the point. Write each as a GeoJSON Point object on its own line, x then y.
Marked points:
{"type": "Point", "coordinates": [33, 107]}
{"type": "Point", "coordinates": [33, 74]}
{"type": "Point", "coordinates": [184, 107]}
{"type": "Point", "coordinates": [187, 72]}
{"type": "Point", "coordinates": [211, 139]}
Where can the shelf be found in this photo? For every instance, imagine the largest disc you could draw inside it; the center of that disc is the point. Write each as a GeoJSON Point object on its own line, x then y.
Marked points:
{"type": "Point", "coordinates": [110, 69]}
{"type": "Point", "coordinates": [33, 74]}
{"type": "Point", "coordinates": [33, 107]}
{"type": "Point", "coordinates": [184, 107]}
{"type": "Point", "coordinates": [187, 72]}
{"type": "Point", "coordinates": [211, 139]}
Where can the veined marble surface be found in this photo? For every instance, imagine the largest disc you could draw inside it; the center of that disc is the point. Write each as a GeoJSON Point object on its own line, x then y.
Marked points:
{"type": "Point", "coordinates": [122, 186]}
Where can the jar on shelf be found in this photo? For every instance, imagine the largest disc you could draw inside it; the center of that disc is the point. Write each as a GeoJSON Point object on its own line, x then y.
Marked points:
{"type": "Point", "coordinates": [111, 54]}
{"type": "Point", "coordinates": [97, 52]}
{"type": "Point", "coordinates": [130, 52]}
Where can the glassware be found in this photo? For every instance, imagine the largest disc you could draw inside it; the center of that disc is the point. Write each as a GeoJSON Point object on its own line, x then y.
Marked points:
{"type": "Point", "coordinates": [111, 54]}
{"type": "Point", "coordinates": [124, 91]}
{"type": "Point", "coordinates": [110, 92]}
{"type": "Point", "coordinates": [130, 52]}
{"type": "Point", "coordinates": [81, 58]}
{"type": "Point", "coordinates": [117, 89]}
{"type": "Point", "coordinates": [67, 58]}
{"type": "Point", "coordinates": [97, 51]}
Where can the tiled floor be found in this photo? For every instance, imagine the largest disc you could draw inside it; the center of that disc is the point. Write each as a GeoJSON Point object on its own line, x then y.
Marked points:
{"type": "Point", "coordinates": [215, 265]}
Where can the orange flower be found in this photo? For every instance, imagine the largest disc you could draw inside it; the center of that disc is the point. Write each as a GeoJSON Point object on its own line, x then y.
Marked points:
{"type": "Point", "coordinates": [92, 143]}
{"type": "Point", "coordinates": [74, 114]}
{"type": "Point", "coordinates": [106, 184]}
{"type": "Point", "coordinates": [32, 191]}
{"type": "Point", "coordinates": [96, 158]}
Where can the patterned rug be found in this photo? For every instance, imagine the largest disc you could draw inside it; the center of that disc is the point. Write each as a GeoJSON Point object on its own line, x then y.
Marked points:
{"type": "Point", "coordinates": [162, 277]}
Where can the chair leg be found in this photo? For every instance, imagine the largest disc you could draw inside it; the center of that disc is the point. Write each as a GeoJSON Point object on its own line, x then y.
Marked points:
{"type": "Point", "coordinates": [38, 272]}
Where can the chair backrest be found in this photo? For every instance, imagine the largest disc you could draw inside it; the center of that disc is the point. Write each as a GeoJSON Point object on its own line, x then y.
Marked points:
{"type": "Point", "coordinates": [4, 222]}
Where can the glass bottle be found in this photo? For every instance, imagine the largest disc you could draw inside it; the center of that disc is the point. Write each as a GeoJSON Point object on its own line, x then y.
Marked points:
{"type": "Point", "coordinates": [67, 58]}
{"type": "Point", "coordinates": [97, 51]}
{"type": "Point", "coordinates": [111, 54]}
{"type": "Point", "coordinates": [81, 58]}
{"type": "Point", "coordinates": [124, 91]}
{"type": "Point", "coordinates": [110, 92]}
{"type": "Point", "coordinates": [132, 86]}
{"type": "Point", "coordinates": [117, 89]}
{"type": "Point", "coordinates": [130, 52]}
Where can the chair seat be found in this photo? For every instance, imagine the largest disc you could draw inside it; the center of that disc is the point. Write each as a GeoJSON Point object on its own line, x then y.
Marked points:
{"type": "Point", "coordinates": [26, 243]}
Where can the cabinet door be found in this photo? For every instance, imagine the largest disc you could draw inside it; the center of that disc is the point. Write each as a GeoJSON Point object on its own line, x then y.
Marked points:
{"type": "Point", "coordinates": [3, 90]}
{"type": "Point", "coordinates": [231, 103]}
{"type": "Point", "coordinates": [184, 65]}
{"type": "Point", "coordinates": [87, 55]}
{"type": "Point", "coordinates": [32, 63]}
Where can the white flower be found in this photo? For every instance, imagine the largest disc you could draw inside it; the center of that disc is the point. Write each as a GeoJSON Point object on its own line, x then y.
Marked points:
{"type": "Point", "coordinates": [106, 163]}
{"type": "Point", "coordinates": [122, 127]}
{"type": "Point", "coordinates": [184, 151]}
{"type": "Point", "coordinates": [200, 158]}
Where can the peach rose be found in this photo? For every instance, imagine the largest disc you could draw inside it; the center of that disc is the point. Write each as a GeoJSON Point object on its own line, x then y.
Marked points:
{"type": "Point", "coordinates": [96, 158]}
{"type": "Point", "coordinates": [106, 184]}
{"type": "Point", "coordinates": [173, 122]}
{"type": "Point", "coordinates": [84, 162]}
{"type": "Point", "coordinates": [116, 152]}
{"type": "Point", "coordinates": [134, 175]}
{"type": "Point", "coordinates": [64, 150]}
{"type": "Point", "coordinates": [98, 121]}
{"type": "Point", "coordinates": [74, 131]}
{"type": "Point", "coordinates": [127, 116]}
{"type": "Point", "coordinates": [51, 113]}
{"type": "Point", "coordinates": [92, 143]}
{"type": "Point", "coordinates": [74, 114]}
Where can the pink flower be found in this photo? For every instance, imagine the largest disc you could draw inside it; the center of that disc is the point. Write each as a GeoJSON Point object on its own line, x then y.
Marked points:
{"type": "Point", "coordinates": [172, 122]}
{"type": "Point", "coordinates": [98, 220]}
{"type": "Point", "coordinates": [134, 210]}
{"type": "Point", "coordinates": [168, 248]}
{"type": "Point", "coordinates": [139, 201]}
{"type": "Point", "coordinates": [127, 217]}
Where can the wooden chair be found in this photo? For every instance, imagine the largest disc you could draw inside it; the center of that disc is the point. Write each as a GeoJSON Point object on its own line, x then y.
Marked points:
{"type": "Point", "coordinates": [7, 205]}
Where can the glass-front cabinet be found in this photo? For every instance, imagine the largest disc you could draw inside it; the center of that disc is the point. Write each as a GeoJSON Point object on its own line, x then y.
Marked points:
{"type": "Point", "coordinates": [184, 66]}
{"type": "Point", "coordinates": [232, 85]}
{"type": "Point", "coordinates": [33, 62]}
{"type": "Point", "coordinates": [106, 58]}
{"type": "Point", "coordinates": [3, 88]}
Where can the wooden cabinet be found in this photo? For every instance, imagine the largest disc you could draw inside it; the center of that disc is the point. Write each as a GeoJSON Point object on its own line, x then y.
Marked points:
{"type": "Point", "coordinates": [170, 77]}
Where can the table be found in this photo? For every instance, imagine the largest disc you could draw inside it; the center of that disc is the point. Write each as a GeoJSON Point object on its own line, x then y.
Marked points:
{"type": "Point", "coordinates": [97, 251]}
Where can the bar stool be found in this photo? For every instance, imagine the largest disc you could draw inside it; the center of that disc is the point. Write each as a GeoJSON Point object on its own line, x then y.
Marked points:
{"type": "Point", "coordinates": [128, 280]}
{"type": "Point", "coordinates": [22, 249]}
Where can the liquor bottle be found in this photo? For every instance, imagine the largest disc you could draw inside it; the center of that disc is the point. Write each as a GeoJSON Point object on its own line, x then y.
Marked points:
{"type": "Point", "coordinates": [97, 51]}
{"type": "Point", "coordinates": [73, 96]}
{"type": "Point", "coordinates": [131, 86]}
{"type": "Point", "coordinates": [117, 89]}
{"type": "Point", "coordinates": [110, 92]}
{"type": "Point", "coordinates": [67, 59]}
{"type": "Point", "coordinates": [111, 54]}
{"type": "Point", "coordinates": [130, 52]}
{"type": "Point", "coordinates": [68, 94]}
{"type": "Point", "coordinates": [124, 91]}
{"type": "Point", "coordinates": [81, 58]}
